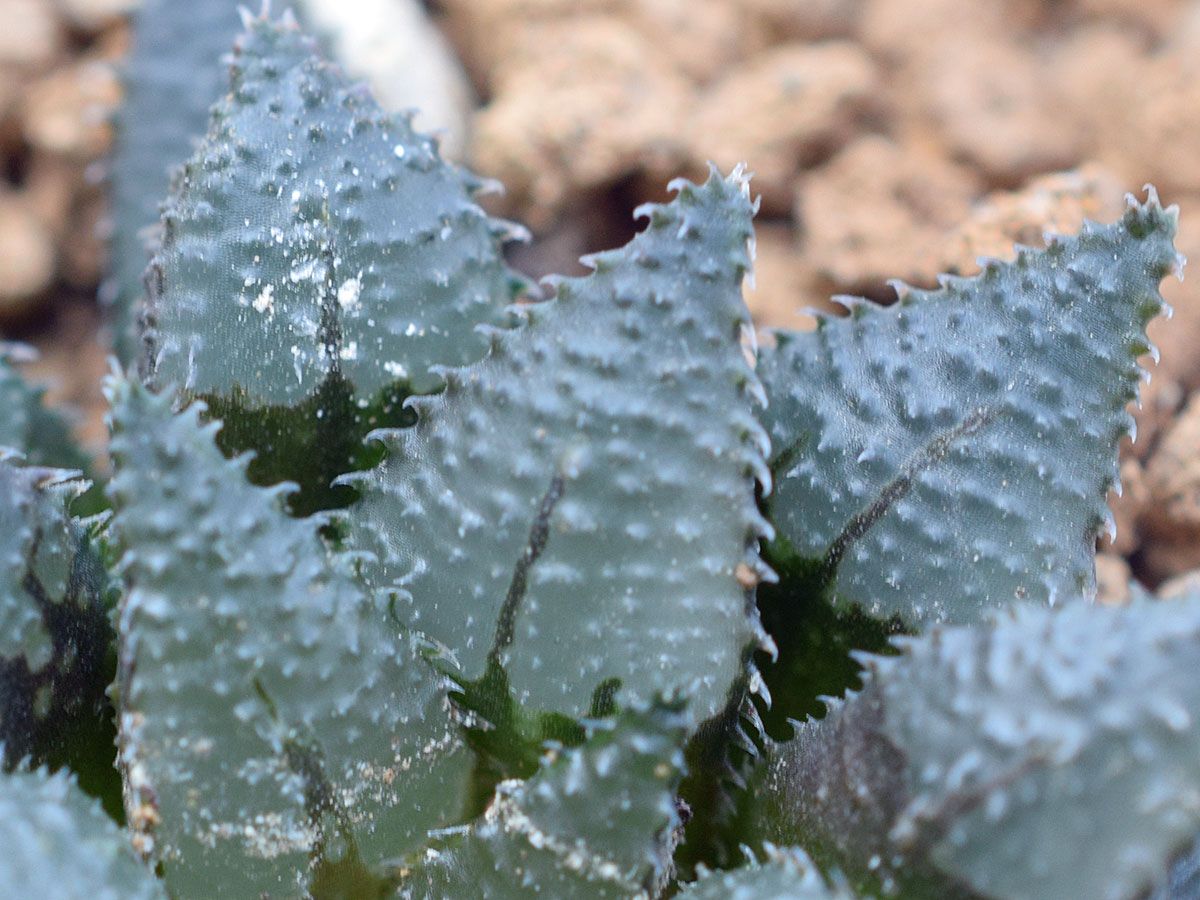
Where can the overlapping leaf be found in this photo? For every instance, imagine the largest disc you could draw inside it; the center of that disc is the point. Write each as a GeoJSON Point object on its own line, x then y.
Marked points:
{"type": "Point", "coordinates": [317, 258]}
{"type": "Point", "coordinates": [597, 821]}
{"type": "Point", "coordinates": [40, 435]}
{"type": "Point", "coordinates": [578, 509]}
{"type": "Point", "coordinates": [274, 731]}
{"type": "Point", "coordinates": [784, 874]}
{"type": "Point", "coordinates": [55, 637]}
{"type": "Point", "coordinates": [1053, 754]}
{"type": "Point", "coordinates": [172, 77]}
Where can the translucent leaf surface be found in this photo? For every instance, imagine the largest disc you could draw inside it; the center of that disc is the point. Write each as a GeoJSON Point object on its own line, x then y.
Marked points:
{"type": "Point", "coordinates": [59, 845]}
{"type": "Point", "coordinates": [579, 506]}
{"type": "Point", "coordinates": [952, 453]}
{"type": "Point", "coordinates": [596, 821]}
{"type": "Point", "coordinates": [273, 726]}
{"type": "Point", "coordinates": [1054, 754]}
{"type": "Point", "coordinates": [785, 874]}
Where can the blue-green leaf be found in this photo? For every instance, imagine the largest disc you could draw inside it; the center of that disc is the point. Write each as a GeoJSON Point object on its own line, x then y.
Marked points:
{"type": "Point", "coordinates": [274, 725]}
{"type": "Point", "coordinates": [952, 453]}
{"type": "Point", "coordinates": [579, 507]}
{"type": "Point", "coordinates": [1051, 754]}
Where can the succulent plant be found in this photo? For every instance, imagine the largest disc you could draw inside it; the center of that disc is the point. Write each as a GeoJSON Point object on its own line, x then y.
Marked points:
{"type": "Point", "coordinates": [528, 600]}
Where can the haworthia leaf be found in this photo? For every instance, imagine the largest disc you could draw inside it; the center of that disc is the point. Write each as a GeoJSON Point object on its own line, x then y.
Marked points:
{"type": "Point", "coordinates": [173, 76]}
{"type": "Point", "coordinates": [59, 845]}
{"type": "Point", "coordinates": [273, 730]}
{"type": "Point", "coordinates": [318, 258]}
{"type": "Point", "coordinates": [40, 435]}
{"type": "Point", "coordinates": [952, 453]}
{"type": "Point", "coordinates": [1053, 754]}
{"type": "Point", "coordinates": [785, 874]}
{"type": "Point", "coordinates": [597, 821]}
{"type": "Point", "coordinates": [55, 637]}
{"type": "Point", "coordinates": [578, 507]}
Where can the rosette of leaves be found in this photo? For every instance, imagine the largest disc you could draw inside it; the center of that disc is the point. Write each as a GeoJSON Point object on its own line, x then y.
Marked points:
{"type": "Point", "coordinates": [317, 258]}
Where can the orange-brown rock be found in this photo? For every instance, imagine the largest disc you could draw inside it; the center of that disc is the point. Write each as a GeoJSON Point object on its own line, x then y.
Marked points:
{"type": "Point", "coordinates": [1113, 577]}
{"type": "Point", "coordinates": [1173, 477]}
{"type": "Point", "coordinates": [596, 105]}
{"type": "Point", "coordinates": [67, 112]}
{"type": "Point", "coordinates": [782, 283]}
{"type": "Point", "coordinates": [782, 111]}
{"type": "Point", "coordinates": [31, 36]}
{"type": "Point", "coordinates": [989, 101]}
{"type": "Point", "coordinates": [27, 258]}
{"type": "Point", "coordinates": [1057, 203]}
{"type": "Point", "coordinates": [880, 210]}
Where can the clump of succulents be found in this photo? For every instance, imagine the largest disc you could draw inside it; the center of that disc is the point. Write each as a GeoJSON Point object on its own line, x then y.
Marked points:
{"type": "Point", "coordinates": [418, 583]}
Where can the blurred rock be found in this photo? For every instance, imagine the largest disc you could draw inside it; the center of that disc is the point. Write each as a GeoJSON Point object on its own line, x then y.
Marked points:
{"type": "Point", "coordinates": [596, 104]}
{"type": "Point", "coordinates": [988, 100]}
{"type": "Point", "coordinates": [1180, 586]}
{"type": "Point", "coordinates": [490, 33]}
{"type": "Point", "coordinates": [1057, 203]}
{"type": "Point", "coordinates": [96, 15]}
{"type": "Point", "coordinates": [31, 36]}
{"type": "Point", "coordinates": [68, 111]}
{"type": "Point", "coordinates": [1172, 516]}
{"type": "Point", "coordinates": [1113, 576]}
{"type": "Point", "coordinates": [703, 39]}
{"type": "Point", "coordinates": [51, 185]}
{"type": "Point", "coordinates": [1157, 17]}
{"type": "Point", "coordinates": [782, 281]}
{"type": "Point", "coordinates": [880, 210]}
{"type": "Point", "coordinates": [809, 20]}
{"type": "Point", "coordinates": [917, 33]}
{"type": "Point", "coordinates": [84, 252]}
{"type": "Point", "coordinates": [27, 260]}
{"type": "Point", "coordinates": [782, 111]}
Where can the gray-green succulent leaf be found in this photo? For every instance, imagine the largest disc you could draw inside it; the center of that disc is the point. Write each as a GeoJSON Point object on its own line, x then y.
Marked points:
{"type": "Point", "coordinates": [782, 874]}
{"type": "Point", "coordinates": [318, 261]}
{"type": "Point", "coordinates": [276, 731]}
{"type": "Point", "coordinates": [172, 77]}
{"type": "Point", "coordinates": [952, 454]}
{"type": "Point", "coordinates": [56, 638]}
{"type": "Point", "coordinates": [40, 435]}
{"type": "Point", "coordinates": [1053, 753]}
{"type": "Point", "coordinates": [599, 820]}
{"type": "Point", "coordinates": [579, 508]}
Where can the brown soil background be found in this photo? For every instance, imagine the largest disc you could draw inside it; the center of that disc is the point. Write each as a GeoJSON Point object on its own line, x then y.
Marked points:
{"type": "Point", "coordinates": [890, 139]}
